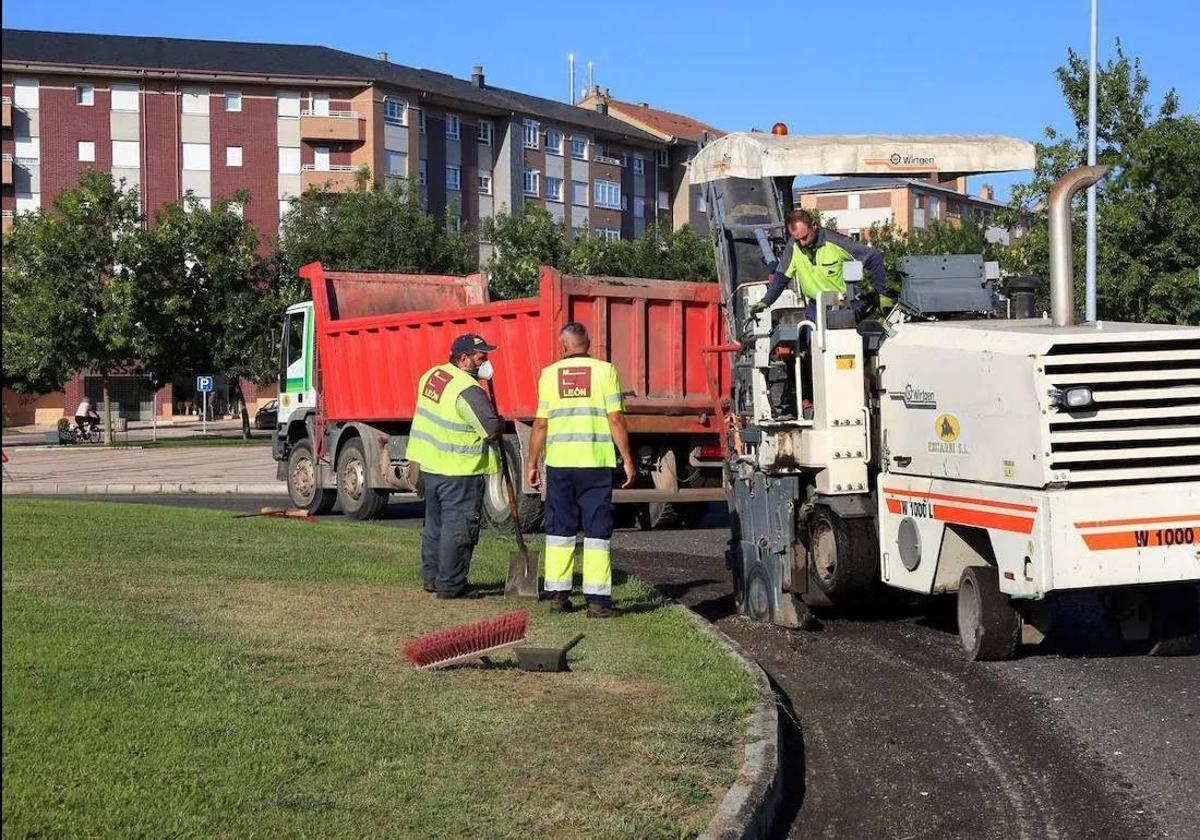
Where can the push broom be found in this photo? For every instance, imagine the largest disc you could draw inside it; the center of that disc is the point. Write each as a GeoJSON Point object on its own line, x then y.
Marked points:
{"type": "Point", "coordinates": [469, 641]}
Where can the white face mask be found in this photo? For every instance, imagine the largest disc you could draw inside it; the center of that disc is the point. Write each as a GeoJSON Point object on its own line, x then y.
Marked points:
{"type": "Point", "coordinates": [485, 370]}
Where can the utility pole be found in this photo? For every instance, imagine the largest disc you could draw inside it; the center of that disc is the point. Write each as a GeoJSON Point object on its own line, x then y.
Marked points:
{"type": "Point", "coordinates": [1090, 295]}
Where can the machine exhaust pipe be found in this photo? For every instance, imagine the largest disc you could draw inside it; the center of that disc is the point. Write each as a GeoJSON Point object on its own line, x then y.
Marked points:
{"type": "Point", "coordinates": [1062, 253]}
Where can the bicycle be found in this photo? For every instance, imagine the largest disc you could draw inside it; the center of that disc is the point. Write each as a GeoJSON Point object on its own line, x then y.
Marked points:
{"type": "Point", "coordinates": [90, 434]}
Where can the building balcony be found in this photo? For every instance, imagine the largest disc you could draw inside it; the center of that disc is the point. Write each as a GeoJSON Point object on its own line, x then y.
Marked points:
{"type": "Point", "coordinates": [342, 126]}
{"type": "Point", "coordinates": [337, 178]}
{"type": "Point", "coordinates": [8, 167]}
{"type": "Point", "coordinates": [7, 112]}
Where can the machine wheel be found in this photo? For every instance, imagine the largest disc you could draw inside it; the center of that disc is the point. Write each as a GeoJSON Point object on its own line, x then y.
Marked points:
{"type": "Point", "coordinates": [988, 626]}
{"type": "Point", "coordinates": [530, 506]}
{"type": "Point", "coordinates": [843, 558]}
{"type": "Point", "coordinates": [757, 599]}
{"type": "Point", "coordinates": [303, 491]}
{"type": "Point", "coordinates": [1175, 621]}
{"type": "Point", "coordinates": [358, 501]}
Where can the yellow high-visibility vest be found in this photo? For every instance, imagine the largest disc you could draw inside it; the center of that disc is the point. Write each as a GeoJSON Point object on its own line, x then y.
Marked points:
{"type": "Point", "coordinates": [441, 440]}
{"type": "Point", "coordinates": [575, 396]}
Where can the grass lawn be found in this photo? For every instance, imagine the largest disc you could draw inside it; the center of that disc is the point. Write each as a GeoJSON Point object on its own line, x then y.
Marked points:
{"type": "Point", "coordinates": [179, 672]}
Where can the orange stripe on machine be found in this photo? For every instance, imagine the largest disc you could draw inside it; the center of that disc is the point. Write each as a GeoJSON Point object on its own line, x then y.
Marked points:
{"type": "Point", "coordinates": [926, 505]}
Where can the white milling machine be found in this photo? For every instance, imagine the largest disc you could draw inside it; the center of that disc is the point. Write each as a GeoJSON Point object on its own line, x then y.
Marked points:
{"type": "Point", "coordinates": [950, 450]}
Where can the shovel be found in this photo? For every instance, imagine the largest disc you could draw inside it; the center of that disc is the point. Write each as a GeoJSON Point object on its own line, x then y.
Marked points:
{"type": "Point", "coordinates": [522, 564]}
{"type": "Point", "coordinates": [545, 659]}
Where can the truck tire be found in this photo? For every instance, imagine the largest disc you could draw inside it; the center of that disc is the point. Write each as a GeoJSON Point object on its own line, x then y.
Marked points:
{"type": "Point", "coordinates": [358, 501]}
{"type": "Point", "coordinates": [303, 491]}
{"type": "Point", "coordinates": [530, 506]}
{"type": "Point", "coordinates": [843, 558]}
{"type": "Point", "coordinates": [988, 626]}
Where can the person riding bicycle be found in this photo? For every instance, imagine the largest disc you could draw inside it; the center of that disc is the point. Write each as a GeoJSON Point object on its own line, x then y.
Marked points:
{"type": "Point", "coordinates": [86, 417]}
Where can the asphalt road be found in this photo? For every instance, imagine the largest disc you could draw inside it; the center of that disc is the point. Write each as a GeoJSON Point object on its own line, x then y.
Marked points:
{"type": "Point", "coordinates": [890, 734]}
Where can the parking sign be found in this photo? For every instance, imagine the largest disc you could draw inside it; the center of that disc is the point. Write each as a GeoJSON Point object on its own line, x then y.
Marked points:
{"type": "Point", "coordinates": [204, 384]}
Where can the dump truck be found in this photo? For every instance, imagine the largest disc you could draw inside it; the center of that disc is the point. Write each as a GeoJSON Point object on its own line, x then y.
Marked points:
{"type": "Point", "coordinates": [951, 449]}
{"type": "Point", "coordinates": [352, 355]}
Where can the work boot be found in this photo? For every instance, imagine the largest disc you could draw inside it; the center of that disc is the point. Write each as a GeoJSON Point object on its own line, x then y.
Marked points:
{"type": "Point", "coordinates": [596, 610]}
{"type": "Point", "coordinates": [469, 593]}
{"type": "Point", "coordinates": [560, 602]}
{"type": "Point", "coordinates": [428, 587]}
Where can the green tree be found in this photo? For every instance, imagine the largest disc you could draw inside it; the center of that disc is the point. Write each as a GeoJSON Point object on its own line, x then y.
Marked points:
{"type": "Point", "coordinates": [522, 242]}
{"type": "Point", "coordinates": [70, 295]}
{"type": "Point", "coordinates": [380, 229]}
{"type": "Point", "coordinates": [1148, 231]}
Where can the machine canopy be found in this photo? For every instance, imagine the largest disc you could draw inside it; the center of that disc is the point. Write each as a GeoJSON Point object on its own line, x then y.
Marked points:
{"type": "Point", "coordinates": [756, 155]}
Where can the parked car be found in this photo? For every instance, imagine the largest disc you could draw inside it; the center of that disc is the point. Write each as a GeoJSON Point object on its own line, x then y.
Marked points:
{"type": "Point", "coordinates": [267, 417]}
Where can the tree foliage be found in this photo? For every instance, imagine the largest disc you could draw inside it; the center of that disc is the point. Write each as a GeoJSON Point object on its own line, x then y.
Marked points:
{"type": "Point", "coordinates": [1148, 209]}
{"type": "Point", "coordinates": [529, 238]}
{"type": "Point", "coordinates": [379, 229]}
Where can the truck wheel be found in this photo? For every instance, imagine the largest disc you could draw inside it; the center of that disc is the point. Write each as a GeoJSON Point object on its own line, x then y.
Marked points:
{"type": "Point", "coordinates": [988, 626]}
{"type": "Point", "coordinates": [843, 556]}
{"type": "Point", "coordinates": [530, 507]}
{"type": "Point", "coordinates": [357, 499]}
{"type": "Point", "coordinates": [303, 491]}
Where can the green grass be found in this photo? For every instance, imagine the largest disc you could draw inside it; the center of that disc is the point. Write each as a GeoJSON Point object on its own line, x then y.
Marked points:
{"type": "Point", "coordinates": [180, 672]}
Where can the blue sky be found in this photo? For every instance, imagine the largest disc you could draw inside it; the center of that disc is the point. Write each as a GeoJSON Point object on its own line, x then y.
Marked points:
{"type": "Point", "coordinates": [840, 67]}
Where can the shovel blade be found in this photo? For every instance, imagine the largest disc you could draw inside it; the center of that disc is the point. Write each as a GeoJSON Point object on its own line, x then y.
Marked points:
{"type": "Point", "coordinates": [522, 575]}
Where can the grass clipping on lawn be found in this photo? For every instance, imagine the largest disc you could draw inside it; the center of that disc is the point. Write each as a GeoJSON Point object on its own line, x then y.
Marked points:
{"type": "Point", "coordinates": [179, 672]}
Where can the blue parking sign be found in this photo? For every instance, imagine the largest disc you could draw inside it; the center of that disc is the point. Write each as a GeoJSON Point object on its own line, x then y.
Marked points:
{"type": "Point", "coordinates": [204, 384]}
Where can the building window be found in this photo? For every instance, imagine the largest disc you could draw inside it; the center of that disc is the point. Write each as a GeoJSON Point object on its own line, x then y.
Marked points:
{"type": "Point", "coordinates": [195, 157]}
{"type": "Point", "coordinates": [87, 150]}
{"type": "Point", "coordinates": [396, 164]}
{"type": "Point", "coordinates": [920, 201]}
{"type": "Point", "coordinates": [485, 184]}
{"type": "Point", "coordinates": [576, 234]}
{"type": "Point", "coordinates": [579, 193]}
{"type": "Point", "coordinates": [422, 172]}
{"type": "Point", "coordinates": [125, 153]}
{"type": "Point", "coordinates": [289, 104]}
{"type": "Point", "coordinates": [395, 111]}
{"type": "Point", "coordinates": [421, 120]}
{"type": "Point", "coordinates": [664, 200]}
{"type": "Point", "coordinates": [639, 165]}
{"type": "Point", "coordinates": [233, 100]}
{"type": "Point", "coordinates": [607, 194]}
{"type": "Point", "coordinates": [532, 177]}
{"type": "Point", "coordinates": [579, 148]}
{"type": "Point", "coordinates": [485, 133]}
{"type": "Point", "coordinates": [933, 207]}
{"type": "Point", "coordinates": [531, 134]}
{"type": "Point", "coordinates": [195, 100]}
{"type": "Point", "coordinates": [85, 95]}
{"type": "Point", "coordinates": [233, 155]}
{"type": "Point", "coordinates": [701, 204]}
{"type": "Point", "coordinates": [124, 97]}
{"type": "Point", "coordinates": [318, 103]}
{"type": "Point", "coordinates": [27, 148]}
{"type": "Point", "coordinates": [554, 142]}
{"type": "Point", "coordinates": [25, 93]}
{"type": "Point", "coordinates": [639, 209]}
{"type": "Point", "coordinates": [664, 158]}
{"type": "Point", "coordinates": [28, 202]}
{"type": "Point", "coordinates": [452, 129]}
{"type": "Point", "coordinates": [554, 189]}
{"type": "Point", "coordinates": [611, 234]}
{"type": "Point", "coordinates": [453, 178]}
{"type": "Point", "coordinates": [289, 160]}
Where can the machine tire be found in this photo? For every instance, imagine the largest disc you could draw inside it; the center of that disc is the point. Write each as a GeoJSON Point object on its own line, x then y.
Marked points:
{"type": "Point", "coordinates": [988, 626]}
{"type": "Point", "coordinates": [756, 601]}
{"type": "Point", "coordinates": [358, 501]}
{"type": "Point", "coordinates": [530, 506]}
{"type": "Point", "coordinates": [843, 558]}
{"type": "Point", "coordinates": [1175, 621]}
{"type": "Point", "coordinates": [303, 491]}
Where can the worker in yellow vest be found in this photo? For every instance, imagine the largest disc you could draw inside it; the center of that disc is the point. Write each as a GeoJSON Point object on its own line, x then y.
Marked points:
{"type": "Point", "coordinates": [453, 440]}
{"type": "Point", "coordinates": [580, 416]}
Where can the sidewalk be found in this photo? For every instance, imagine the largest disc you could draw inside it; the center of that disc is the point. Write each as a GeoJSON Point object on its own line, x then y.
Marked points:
{"type": "Point", "coordinates": [199, 469]}
{"type": "Point", "coordinates": [139, 432]}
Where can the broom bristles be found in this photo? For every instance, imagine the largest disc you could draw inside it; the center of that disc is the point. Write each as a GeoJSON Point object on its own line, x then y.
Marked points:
{"type": "Point", "coordinates": [468, 638]}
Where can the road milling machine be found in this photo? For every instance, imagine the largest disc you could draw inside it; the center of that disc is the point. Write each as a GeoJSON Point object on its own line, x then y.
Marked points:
{"type": "Point", "coordinates": [951, 448]}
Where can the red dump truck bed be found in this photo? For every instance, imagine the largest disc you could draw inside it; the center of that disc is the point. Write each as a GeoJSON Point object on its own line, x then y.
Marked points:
{"type": "Point", "coordinates": [371, 351]}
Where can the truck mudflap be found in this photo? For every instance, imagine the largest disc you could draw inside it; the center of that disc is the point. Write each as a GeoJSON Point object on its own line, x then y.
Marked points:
{"type": "Point", "coordinates": [1040, 541]}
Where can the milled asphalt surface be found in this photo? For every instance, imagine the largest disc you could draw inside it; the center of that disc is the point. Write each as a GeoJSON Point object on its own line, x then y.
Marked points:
{"type": "Point", "coordinates": [889, 733]}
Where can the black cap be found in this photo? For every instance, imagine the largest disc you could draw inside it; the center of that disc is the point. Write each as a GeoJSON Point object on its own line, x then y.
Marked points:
{"type": "Point", "coordinates": [471, 343]}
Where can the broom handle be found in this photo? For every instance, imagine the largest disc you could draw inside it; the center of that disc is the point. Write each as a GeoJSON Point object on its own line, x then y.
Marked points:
{"type": "Point", "coordinates": [509, 487]}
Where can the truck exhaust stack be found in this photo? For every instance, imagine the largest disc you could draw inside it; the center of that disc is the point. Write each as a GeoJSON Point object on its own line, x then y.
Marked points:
{"type": "Point", "coordinates": [1062, 254]}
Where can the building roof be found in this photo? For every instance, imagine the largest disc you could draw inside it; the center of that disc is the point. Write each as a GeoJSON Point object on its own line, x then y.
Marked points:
{"type": "Point", "coordinates": [77, 49]}
{"type": "Point", "coordinates": [666, 124]}
{"type": "Point", "coordinates": [864, 183]}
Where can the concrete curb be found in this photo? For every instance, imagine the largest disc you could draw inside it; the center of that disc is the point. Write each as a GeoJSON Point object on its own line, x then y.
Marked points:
{"type": "Point", "coordinates": [748, 808]}
{"type": "Point", "coordinates": [23, 488]}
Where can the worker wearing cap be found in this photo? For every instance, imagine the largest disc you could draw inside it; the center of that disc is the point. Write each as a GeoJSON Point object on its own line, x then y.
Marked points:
{"type": "Point", "coordinates": [579, 419]}
{"type": "Point", "coordinates": [452, 439]}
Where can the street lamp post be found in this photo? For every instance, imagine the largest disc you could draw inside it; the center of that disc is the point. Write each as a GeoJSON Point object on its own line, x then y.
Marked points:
{"type": "Point", "coordinates": [1090, 293]}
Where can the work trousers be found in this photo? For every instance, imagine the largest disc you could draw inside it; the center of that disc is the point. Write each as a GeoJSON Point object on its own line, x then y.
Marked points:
{"type": "Point", "coordinates": [453, 509]}
{"type": "Point", "coordinates": [579, 499]}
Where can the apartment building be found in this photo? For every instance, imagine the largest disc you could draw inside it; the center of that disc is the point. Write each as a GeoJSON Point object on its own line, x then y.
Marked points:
{"type": "Point", "coordinates": [179, 118]}
{"type": "Point", "coordinates": [855, 204]}
{"type": "Point", "coordinates": [679, 202]}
